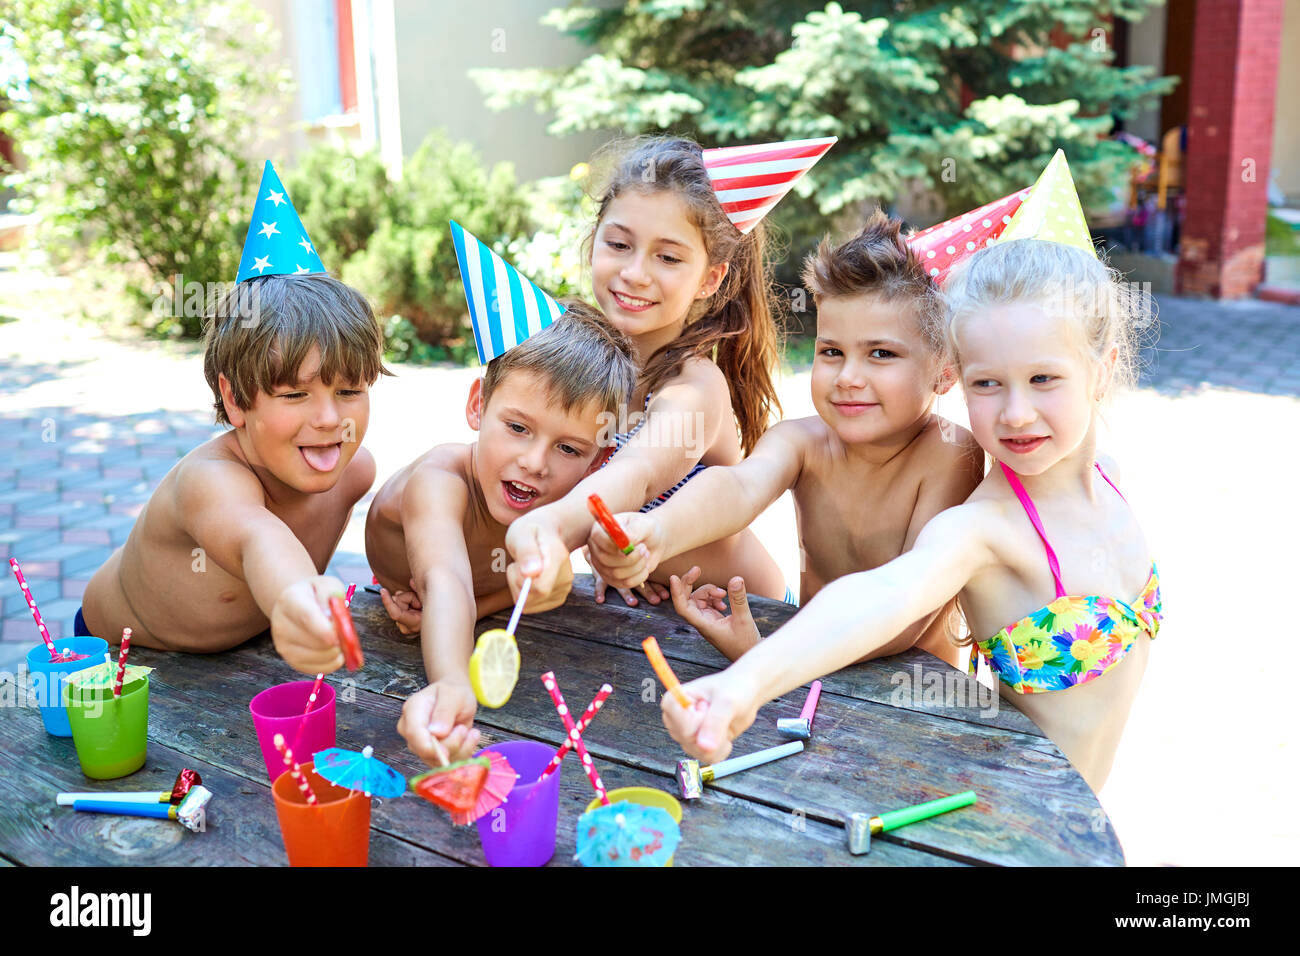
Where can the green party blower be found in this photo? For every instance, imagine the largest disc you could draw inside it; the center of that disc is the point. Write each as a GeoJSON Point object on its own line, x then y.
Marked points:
{"type": "Point", "coordinates": [861, 826]}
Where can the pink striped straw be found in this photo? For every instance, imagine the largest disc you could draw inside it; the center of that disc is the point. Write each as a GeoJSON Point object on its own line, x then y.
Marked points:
{"type": "Point", "coordinates": [295, 770]}
{"type": "Point", "coordinates": [352, 589]}
{"type": "Point", "coordinates": [548, 680]}
{"type": "Point", "coordinates": [31, 603]}
{"type": "Point", "coordinates": [583, 721]}
{"type": "Point", "coordinates": [121, 661]}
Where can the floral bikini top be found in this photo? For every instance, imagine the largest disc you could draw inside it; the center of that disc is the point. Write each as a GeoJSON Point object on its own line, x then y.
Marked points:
{"type": "Point", "coordinates": [1074, 639]}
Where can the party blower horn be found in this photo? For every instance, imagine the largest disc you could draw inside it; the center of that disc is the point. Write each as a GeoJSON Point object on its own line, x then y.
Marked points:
{"type": "Point", "coordinates": [189, 813]}
{"type": "Point", "coordinates": [862, 827]}
{"type": "Point", "coordinates": [186, 780]}
{"type": "Point", "coordinates": [800, 728]}
{"type": "Point", "coordinates": [691, 777]}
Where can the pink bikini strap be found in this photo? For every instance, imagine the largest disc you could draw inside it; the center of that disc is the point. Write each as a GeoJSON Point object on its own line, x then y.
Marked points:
{"type": "Point", "coordinates": [1027, 503]}
{"type": "Point", "coordinates": [1109, 482]}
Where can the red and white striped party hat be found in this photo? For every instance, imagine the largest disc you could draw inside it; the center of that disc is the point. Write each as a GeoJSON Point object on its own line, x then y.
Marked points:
{"type": "Point", "coordinates": [750, 180]}
{"type": "Point", "coordinates": [943, 245]}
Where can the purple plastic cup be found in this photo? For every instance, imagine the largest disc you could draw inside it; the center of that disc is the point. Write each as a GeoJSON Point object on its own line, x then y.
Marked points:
{"type": "Point", "coordinates": [278, 710]}
{"type": "Point", "coordinates": [521, 832]}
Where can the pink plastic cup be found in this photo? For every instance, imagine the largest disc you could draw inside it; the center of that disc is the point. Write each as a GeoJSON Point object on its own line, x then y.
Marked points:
{"type": "Point", "coordinates": [521, 832]}
{"type": "Point", "coordinates": [278, 710]}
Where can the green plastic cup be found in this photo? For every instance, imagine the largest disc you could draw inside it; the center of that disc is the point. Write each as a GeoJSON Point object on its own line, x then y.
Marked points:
{"type": "Point", "coordinates": [111, 733]}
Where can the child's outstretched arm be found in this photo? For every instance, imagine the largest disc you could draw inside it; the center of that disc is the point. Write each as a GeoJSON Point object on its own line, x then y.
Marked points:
{"type": "Point", "coordinates": [715, 504]}
{"type": "Point", "coordinates": [433, 509]}
{"type": "Point", "coordinates": [692, 406]}
{"type": "Point", "coordinates": [224, 508]}
{"type": "Point", "coordinates": [855, 616]}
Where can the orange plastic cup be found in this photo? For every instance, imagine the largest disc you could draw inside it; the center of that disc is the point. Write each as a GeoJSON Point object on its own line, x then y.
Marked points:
{"type": "Point", "coordinates": [335, 832]}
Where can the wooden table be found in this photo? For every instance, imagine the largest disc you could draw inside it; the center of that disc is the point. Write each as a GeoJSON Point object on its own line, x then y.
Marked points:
{"type": "Point", "coordinates": [884, 738]}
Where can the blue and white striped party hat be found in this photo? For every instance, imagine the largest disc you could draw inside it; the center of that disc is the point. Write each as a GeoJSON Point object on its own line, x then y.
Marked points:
{"type": "Point", "coordinates": [277, 243]}
{"type": "Point", "coordinates": [503, 305]}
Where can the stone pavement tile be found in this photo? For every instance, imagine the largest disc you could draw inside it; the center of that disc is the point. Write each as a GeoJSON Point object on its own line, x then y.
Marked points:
{"type": "Point", "coordinates": [123, 471]}
{"type": "Point", "coordinates": [86, 560]}
{"type": "Point", "coordinates": [18, 543]}
{"type": "Point", "coordinates": [25, 631]}
{"type": "Point", "coordinates": [40, 483]}
{"type": "Point", "coordinates": [36, 521]}
{"type": "Point", "coordinates": [13, 658]}
{"type": "Point", "coordinates": [98, 536]}
{"type": "Point", "coordinates": [48, 556]}
{"type": "Point", "coordinates": [74, 587]}
{"type": "Point", "coordinates": [18, 497]}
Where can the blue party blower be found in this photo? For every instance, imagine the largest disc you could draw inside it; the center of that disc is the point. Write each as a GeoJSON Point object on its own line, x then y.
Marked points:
{"type": "Point", "coordinates": [189, 813]}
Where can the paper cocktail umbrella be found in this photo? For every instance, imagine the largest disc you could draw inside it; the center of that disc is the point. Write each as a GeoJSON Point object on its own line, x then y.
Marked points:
{"type": "Point", "coordinates": [359, 771]}
{"type": "Point", "coordinates": [626, 834]}
{"type": "Point", "coordinates": [455, 787]}
{"type": "Point", "coordinates": [103, 676]}
{"type": "Point", "coordinates": [500, 780]}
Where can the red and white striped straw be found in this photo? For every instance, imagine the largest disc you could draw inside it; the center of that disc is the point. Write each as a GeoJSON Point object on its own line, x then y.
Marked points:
{"type": "Point", "coordinates": [121, 661]}
{"type": "Point", "coordinates": [31, 603]}
{"type": "Point", "coordinates": [548, 680]}
{"type": "Point", "coordinates": [295, 770]}
{"type": "Point", "coordinates": [352, 589]}
{"type": "Point", "coordinates": [583, 721]}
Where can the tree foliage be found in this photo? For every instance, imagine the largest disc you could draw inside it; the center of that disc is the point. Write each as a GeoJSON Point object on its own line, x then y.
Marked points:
{"type": "Point", "coordinates": [136, 118]}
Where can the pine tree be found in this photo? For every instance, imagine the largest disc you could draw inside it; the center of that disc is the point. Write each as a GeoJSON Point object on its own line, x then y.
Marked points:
{"type": "Point", "coordinates": [968, 98]}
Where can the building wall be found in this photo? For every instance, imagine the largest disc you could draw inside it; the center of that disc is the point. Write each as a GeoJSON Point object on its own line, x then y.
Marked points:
{"type": "Point", "coordinates": [1146, 46]}
{"type": "Point", "coordinates": [1286, 123]}
{"type": "Point", "coordinates": [437, 43]}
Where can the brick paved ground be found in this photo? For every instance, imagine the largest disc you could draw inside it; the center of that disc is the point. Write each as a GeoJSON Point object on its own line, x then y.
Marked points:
{"type": "Point", "coordinates": [89, 425]}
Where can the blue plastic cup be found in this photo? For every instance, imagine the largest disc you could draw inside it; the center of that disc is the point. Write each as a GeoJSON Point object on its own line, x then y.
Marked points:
{"type": "Point", "coordinates": [521, 832]}
{"type": "Point", "coordinates": [47, 677]}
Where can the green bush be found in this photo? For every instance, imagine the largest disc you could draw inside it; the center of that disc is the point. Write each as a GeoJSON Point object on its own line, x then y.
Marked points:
{"type": "Point", "coordinates": [391, 240]}
{"type": "Point", "coordinates": [342, 197]}
{"type": "Point", "coordinates": [134, 119]}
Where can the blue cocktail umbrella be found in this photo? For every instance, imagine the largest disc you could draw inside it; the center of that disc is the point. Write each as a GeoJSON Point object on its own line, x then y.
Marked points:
{"type": "Point", "coordinates": [626, 834]}
{"type": "Point", "coordinates": [359, 771]}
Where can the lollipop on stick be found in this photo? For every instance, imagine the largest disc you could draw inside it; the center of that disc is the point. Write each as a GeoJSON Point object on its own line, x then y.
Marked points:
{"type": "Point", "coordinates": [666, 675]}
{"type": "Point", "coordinates": [612, 527]}
{"type": "Point", "coordinates": [350, 644]}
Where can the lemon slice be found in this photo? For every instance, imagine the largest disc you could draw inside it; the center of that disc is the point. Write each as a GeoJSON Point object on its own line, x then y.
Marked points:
{"type": "Point", "coordinates": [494, 667]}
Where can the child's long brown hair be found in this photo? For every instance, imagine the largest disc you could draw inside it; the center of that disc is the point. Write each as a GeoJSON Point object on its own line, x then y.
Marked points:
{"type": "Point", "coordinates": [737, 319]}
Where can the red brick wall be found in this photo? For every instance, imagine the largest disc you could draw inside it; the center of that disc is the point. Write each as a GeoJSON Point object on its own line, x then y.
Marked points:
{"type": "Point", "coordinates": [1232, 91]}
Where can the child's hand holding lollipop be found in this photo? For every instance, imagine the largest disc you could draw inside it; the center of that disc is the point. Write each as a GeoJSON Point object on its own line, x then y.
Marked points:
{"type": "Point", "coordinates": [723, 707]}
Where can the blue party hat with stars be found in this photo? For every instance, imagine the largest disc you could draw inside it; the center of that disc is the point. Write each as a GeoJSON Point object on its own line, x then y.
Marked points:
{"type": "Point", "coordinates": [503, 305]}
{"type": "Point", "coordinates": [277, 243]}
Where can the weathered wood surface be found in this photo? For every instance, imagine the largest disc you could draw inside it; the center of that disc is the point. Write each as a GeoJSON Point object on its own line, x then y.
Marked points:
{"type": "Point", "coordinates": [872, 750]}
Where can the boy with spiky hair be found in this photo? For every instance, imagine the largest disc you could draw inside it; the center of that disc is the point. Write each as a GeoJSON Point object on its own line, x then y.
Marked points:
{"type": "Point", "coordinates": [435, 532]}
{"type": "Point", "coordinates": [867, 472]}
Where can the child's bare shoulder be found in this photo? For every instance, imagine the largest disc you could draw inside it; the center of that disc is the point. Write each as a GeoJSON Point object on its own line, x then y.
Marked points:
{"type": "Point", "coordinates": [213, 476]}
{"type": "Point", "coordinates": [947, 441]}
{"type": "Point", "coordinates": [442, 470]}
{"type": "Point", "coordinates": [702, 375]}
